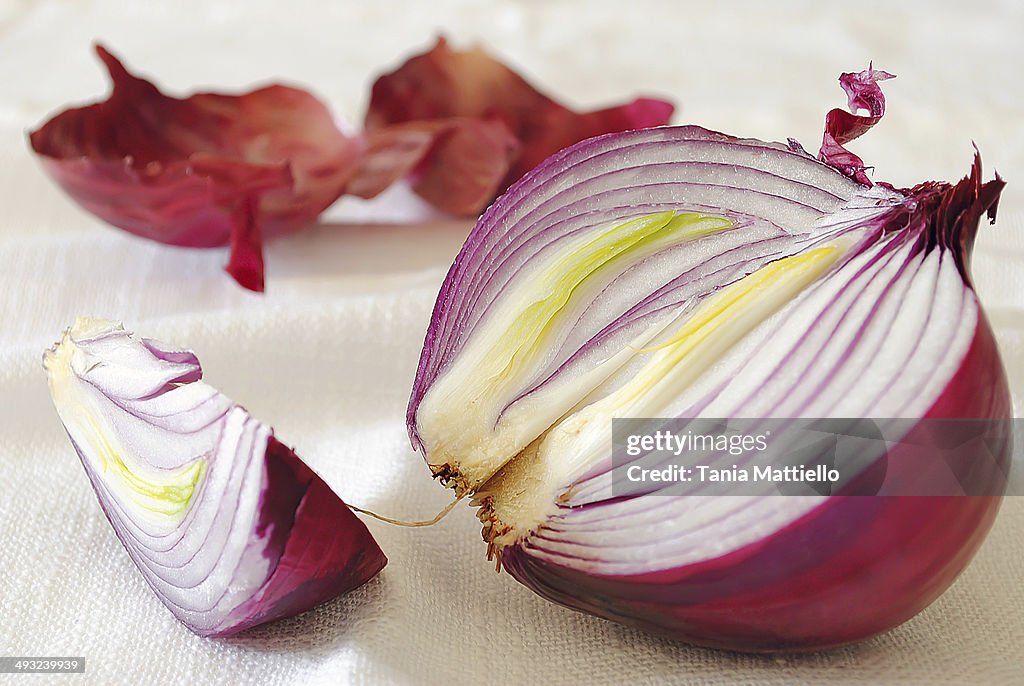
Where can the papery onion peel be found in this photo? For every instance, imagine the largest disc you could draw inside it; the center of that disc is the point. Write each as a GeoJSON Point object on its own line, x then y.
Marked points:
{"type": "Point", "coordinates": [215, 170]}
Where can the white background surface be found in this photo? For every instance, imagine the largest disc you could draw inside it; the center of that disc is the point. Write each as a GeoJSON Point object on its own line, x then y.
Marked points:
{"type": "Point", "coordinates": [327, 355]}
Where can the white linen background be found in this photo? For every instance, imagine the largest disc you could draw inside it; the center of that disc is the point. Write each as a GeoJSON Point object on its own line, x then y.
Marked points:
{"type": "Point", "coordinates": [327, 355]}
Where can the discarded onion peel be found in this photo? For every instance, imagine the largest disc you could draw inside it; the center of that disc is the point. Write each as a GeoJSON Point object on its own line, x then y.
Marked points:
{"type": "Point", "coordinates": [216, 170]}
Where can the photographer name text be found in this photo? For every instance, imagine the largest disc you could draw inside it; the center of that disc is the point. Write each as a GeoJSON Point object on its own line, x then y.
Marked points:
{"type": "Point", "coordinates": [707, 474]}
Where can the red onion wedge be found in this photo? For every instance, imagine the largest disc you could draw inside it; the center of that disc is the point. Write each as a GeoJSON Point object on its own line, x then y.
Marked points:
{"type": "Point", "coordinates": [683, 273]}
{"type": "Point", "coordinates": [226, 524]}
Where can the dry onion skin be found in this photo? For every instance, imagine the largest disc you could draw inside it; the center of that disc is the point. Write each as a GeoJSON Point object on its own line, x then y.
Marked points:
{"type": "Point", "coordinates": [227, 525]}
{"type": "Point", "coordinates": [204, 171]}
{"type": "Point", "coordinates": [216, 169]}
{"type": "Point", "coordinates": [681, 272]}
{"type": "Point", "coordinates": [483, 124]}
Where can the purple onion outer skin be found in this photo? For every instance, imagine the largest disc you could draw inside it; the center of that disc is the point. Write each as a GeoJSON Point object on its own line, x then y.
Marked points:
{"type": "Point", "coordinates": [328, 550]}
{"type": "Point", "coordinates": [215, 170]}
{"type": "Point", "coordinates": [307, 544]}
{"type": "Point", "coordinates": [841, 126]}
{"type": "Point", "coordinates": [205, 171]}
{"type": "Point", "coordinates": [848, 569]}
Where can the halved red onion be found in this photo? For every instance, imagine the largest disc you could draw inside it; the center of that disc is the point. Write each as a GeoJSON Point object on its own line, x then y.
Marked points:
{"type": "Point", "coordinates": [680, 272]}
{"type": "Point", "coordinates": [226, 524]}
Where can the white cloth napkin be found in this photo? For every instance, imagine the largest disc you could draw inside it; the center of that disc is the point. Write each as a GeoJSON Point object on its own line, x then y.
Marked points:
{"type": "Point", "coordinates": [327, 355]}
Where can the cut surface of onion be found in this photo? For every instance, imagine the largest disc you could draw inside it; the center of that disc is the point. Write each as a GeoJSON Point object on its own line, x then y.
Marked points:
{"type": "Point", "coordinates": [682, 273]}
{"type": "Point", "coordinates": [228, 526]}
